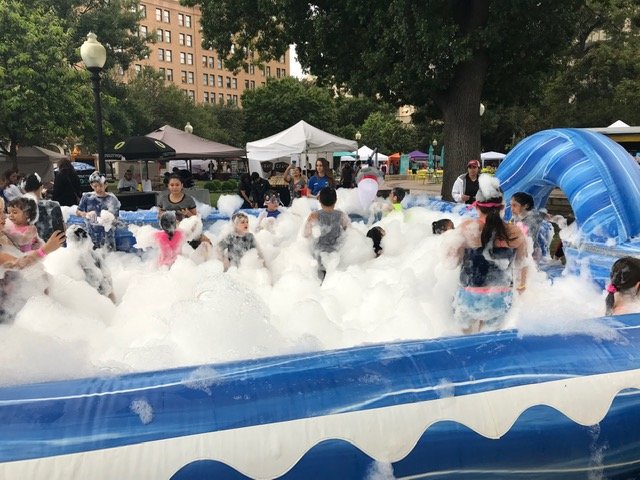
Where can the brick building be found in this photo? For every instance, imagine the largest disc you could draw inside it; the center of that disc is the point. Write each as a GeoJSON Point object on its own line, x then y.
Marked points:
{"type": "Point", "coordinates": [179, 55]}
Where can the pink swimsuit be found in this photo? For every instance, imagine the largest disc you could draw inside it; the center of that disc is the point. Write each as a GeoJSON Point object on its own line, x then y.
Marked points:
{"type": "Point", "coordinates": [169, 248]}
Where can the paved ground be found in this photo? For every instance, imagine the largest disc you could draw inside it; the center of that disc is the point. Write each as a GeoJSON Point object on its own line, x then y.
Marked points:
{"type": "Point", "coordinates": [415, 186]}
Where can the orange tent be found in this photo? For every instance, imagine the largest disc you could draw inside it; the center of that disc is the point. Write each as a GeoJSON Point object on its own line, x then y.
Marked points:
{"type": "Point", "coordinates": [394, 158]}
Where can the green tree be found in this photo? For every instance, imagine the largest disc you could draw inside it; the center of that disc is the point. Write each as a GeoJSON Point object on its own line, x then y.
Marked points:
{"type": "Point", "coordinates": [446, 53]}
{"type": "Point", "coordinates": [42, 99]}
{"type": "Point", "coordinates": [388, 134]}
{"type": "Point", "coordinates": [282, 103]}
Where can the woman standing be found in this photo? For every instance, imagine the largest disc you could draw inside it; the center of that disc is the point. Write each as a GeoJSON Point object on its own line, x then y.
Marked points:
{"type": "Point", "coordinates": [176, 200]}
{"type": "Point", "coordinates": [295, 180]}
{"type": "Point", "coordinates": [322, 178]}
{"type": "Point", "coordinates": [66, 186]}
{"type": "Point", "coordinates": [493, 254]}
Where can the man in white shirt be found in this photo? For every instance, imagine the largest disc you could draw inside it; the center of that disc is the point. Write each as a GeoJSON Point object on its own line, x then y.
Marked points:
{"type": "Point", "coordinates": [127, 183]}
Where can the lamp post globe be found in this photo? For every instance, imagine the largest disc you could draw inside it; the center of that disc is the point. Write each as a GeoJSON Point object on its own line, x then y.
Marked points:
{"type": "Point", "coordinates": [94, 57]}
{"type": "Point", "coordinates": [482, 109]}
{"type": "Point", "coordinates": [188, 128]}
{"type": "Point", "coordinates": [358, 137]}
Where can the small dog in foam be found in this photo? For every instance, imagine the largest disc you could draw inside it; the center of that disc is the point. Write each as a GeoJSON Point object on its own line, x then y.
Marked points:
{"type": "Point", "coordinates": [91, 261]}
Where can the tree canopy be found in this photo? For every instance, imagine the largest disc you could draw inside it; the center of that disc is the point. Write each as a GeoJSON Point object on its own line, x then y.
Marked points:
{"type": "Point", "coordinates": [446, 55]}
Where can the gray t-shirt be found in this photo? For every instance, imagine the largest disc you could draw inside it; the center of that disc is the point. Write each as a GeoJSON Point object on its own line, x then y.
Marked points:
{"type": "Point", "coordinates": [234, 246]}
{"type": "Point", "coordinates": [165, 203]}
{"type": "Point", "coordinates": [330, 224]}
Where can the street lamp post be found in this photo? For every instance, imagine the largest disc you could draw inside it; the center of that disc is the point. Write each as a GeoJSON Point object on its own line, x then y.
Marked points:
{"type": "Point", "coordinates": [358, 137]}
{"type": "Point", "coordinates": [434, 144]}
{"type": "Point", "coordinates": [94, 57]}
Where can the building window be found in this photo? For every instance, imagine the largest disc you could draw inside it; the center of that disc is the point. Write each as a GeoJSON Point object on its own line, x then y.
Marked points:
{"type": "Point", "coordinates": [183, 76]}
{"type": "Point", "coordinates": [180, 20]}
{"type": "Point", "coordinates": [187, 21]}
{"type": "Point", "coordinates": [219, 64]}
{"type": "Point", "coordinates": [159, 34]}
{"type": "Point", "coordinates": [281, 60]}
{"type": "Point", "coordinates": [143, 11]}
{"type": "Point", "coordinates": [228, 82]}
{"type": "Point", "coordinates": [204, 60]}
{"type": "Point", "coordinates": [246, 84]}
{"type": "Point", "coordinates": [167, 36]}
{"type": "Point", "coordinates": [268, 71]}
{"type": "Point", "coordinates": [166, 17]}
{"type": "Point", "coordinates": [213, 97]}
{"type": "Point", "coordinates": [161, 70]}
{"type": "Point", "coordinates": [158, 14]}
{"type": "Point", "coordinates": [220, 81]}
{"type": "Point", "coordinates": [212, 80]}
{"type": "Point", "coordinates": [229, 99]}
{"type": "Point", "coordinates": [205, 79]}
{"type": "Point", "coordinates": [212, 62]}
{"type": "Point", "coordinates": [189, 58]}
{"type": "Point", "coordinates": [190, 77]}
{"type": "Point", "coordinates": [142, 31]}
{"type": "Point", "coordinates": [252, 69]}
{"type": "Point", "coordinates": [234, 100]}
{"type": "Point", "coordinates": [161, 54]}
{"type": "Point", "coordinates": [189, 41]}
{"type": "Point", "coordinates": [206, 97]}
{"type": "Point", "coordinates": [263, 70]}
{"type": "Point", "coordinates": [167, 55]}
{"type": "Point", "coordinates": [170, 74]}
{"type": "Point", "coordinates": [183, 57]}
{"type": "Point", "coordinates": [120, 70]}
{"type": "Point", "coordinates": [192, 95]}
{"type": "Point", "coordinates": [181, 38]}
{"type": "Point", "coordinates": [138, 68]}
{"type": "Point", "coordinates": [234, 83]}
{"type": "Point", "coordinates": [253, 84]}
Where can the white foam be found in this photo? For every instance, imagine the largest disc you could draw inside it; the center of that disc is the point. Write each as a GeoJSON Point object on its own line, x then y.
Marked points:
{"type": "Point", "coordinates": [193, 313]}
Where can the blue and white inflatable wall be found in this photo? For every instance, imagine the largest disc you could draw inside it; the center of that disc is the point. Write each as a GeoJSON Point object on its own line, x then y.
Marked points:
{"type": "Point", "coordinates": [493, 405]}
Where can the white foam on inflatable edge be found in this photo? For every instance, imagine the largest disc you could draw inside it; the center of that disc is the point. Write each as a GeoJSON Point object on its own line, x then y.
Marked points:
{"type": "Point", "coordinates": [386, 434]}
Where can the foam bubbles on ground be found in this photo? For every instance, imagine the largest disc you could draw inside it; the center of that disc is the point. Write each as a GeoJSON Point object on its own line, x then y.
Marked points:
{"type": "Point", "coordinates": [194, 313]}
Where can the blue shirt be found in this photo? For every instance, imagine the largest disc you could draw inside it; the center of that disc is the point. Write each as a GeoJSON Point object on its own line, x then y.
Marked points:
{"type": "Point", "coordinates": [317, 183]}
{"type": "Point", "coordinates": [90, 202]}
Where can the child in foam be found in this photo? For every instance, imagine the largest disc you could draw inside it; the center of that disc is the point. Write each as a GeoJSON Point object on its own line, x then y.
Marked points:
{"type": "Point", "coordinates": [493, 254]}
{"type": "Point", "coordinates": [100, 209]}
{"type": "Point", "coordinates": [331, 223]}
{"type": "Point", "coordinates": [170, 239]}
{"type": "Point", "coordinates": [272, 210]}
{"type": "Point", "coordinates": [622, 291]}
{"type": "Point", "coordinates": [528, 219]}
{"type": "Point", "coordinates": [21, 228]}
{"type": "Point", "coordinates": [235, 245]}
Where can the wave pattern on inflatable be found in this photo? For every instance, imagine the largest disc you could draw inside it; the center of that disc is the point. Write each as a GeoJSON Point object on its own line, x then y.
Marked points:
{"type": "Point", "coordinates": [438, 408]}
{"type": "Point", "coordinates": [596, 174]}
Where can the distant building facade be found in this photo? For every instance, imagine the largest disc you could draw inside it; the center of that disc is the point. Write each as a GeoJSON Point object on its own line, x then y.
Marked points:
{"type": "Point", "coordinates": [179, 56]}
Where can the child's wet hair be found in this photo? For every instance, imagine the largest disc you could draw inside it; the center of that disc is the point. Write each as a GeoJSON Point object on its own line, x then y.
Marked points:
{"type": "Point", "coordinates": [376, 234]}
{"type": "Point", "coordinates": [625, 275]}
{"type": "Point", "coordinates": [328, 196]}
{"type": "Point", "coordinates": [441, 226]}
{"type": "Point", "coordinates": [168, 222]}
{"type": "Point", "coordinates": [28, 206]}
{"type": "Point", "coordinates": [236, 217]}
{"type": "Point", "coordinates": [523, 199]}
{"type": "Point", "coordinates": [399, 192]}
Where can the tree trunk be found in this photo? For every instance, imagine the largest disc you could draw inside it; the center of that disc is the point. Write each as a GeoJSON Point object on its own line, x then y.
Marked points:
{"type": "Point", "coordinates": [13, 151]}
{"type": "Point", "coordinates": [460, 104]}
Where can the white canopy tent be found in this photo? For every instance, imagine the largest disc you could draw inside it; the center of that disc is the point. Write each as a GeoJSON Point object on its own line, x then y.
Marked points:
{"type": "Point", "coordinates": [489, 156]}
{"type": "Point", "coordinates": [298, 140]}
{"type": "Point", "coordinates": [365, 152]}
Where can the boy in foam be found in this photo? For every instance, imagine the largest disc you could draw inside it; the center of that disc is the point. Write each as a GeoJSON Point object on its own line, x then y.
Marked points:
{"type": "Point", "coordinates": [623, 289]}
{"type": "Point", "coordinates": [93, 206]}
{"type": "Point", "coordinates": [332, 223]}
{"type": "Point", "coordinates": [234, 246]}
{"type": "Point", "coordinates": [396, 196]}
{"type": "Point", "coordinates": [271, 211]}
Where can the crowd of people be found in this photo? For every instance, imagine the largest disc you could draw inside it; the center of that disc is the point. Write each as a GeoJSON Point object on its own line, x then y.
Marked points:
{"type": "Point", "coordinates": [494, 255]}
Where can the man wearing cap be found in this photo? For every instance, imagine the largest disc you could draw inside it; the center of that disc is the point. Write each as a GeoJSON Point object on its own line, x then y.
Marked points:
{"type": "Point", "coordinates": [127, 183]}
{"type": "Point", "coordinates": [466, 185]}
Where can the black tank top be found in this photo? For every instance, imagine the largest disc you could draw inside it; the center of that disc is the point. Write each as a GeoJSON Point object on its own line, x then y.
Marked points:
{"type": "Point", "coordinates": [490, 269]}
{"type": "Point", "coordinates": [471, 189]}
